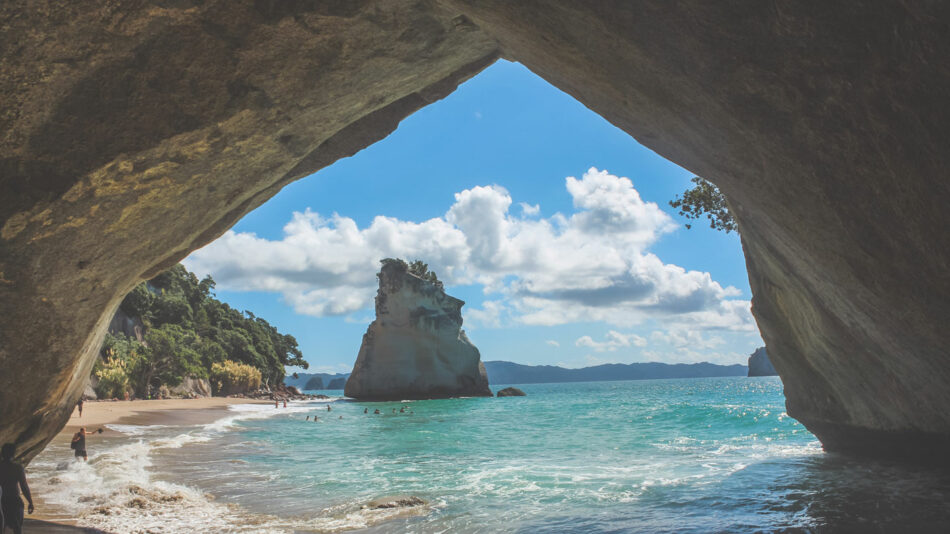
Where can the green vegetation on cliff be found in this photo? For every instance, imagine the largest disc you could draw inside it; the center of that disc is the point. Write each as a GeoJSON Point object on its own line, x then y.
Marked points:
{"type": "Point", "coordinates": [705, 199]}
{"type": "Point", "coordinates": [188, 332]}
{"type": "Point", "coordinates": [417, 267]}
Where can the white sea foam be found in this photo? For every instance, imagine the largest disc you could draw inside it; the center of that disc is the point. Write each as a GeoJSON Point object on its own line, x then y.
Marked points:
{"type": "Point", "coordinates": [134, 430]}
{"type": "Point", "coordinates": [115, 490]}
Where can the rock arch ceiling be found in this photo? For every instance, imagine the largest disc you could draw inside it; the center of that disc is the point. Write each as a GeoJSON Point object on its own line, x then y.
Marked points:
{"type": "Point", "coordinates": [134, 133]}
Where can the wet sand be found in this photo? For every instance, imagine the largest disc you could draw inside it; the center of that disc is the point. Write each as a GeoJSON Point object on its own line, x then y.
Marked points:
{"type": "Point", "coordinates": [97, 414]}
{"type": "Point", "coordinates": [152, 412]}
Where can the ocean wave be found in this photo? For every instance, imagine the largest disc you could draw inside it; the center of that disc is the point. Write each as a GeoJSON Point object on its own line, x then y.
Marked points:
{"type": "Point", "coordinates": [115, 490]}
{"type": "Point", "coordinates": [134, 430]}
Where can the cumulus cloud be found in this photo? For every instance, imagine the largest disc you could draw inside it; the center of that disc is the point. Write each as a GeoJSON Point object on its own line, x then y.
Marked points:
{"type": "Point", "coordinates": [590, 265]}
{"type": "Point", "coordinates": [489, 315]}
{"type": "Point", "coordinates": [528, 210]}
{"type": "Point", "coordinates": [614, 341]}
{"type": "Point", "coordinates": [553, 343]}
{"type": "Point", "coordinates": [681, 338]}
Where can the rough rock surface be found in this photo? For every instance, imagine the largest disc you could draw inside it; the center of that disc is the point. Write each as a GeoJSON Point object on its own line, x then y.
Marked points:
{"type": "Point", "coordinates": [394, 501]}
{"type": "Point", "coordinates": [132, 133]}
{"type": "Point", "coordinates": [192, 387]}
{"type": "Point", "coordinates": [510, 392]}
{"type": "Point", "coordinates": [337, 383]}
{"type": "Point", "coordinates": [416, 348]}
{"type": "Point", "coordinates": [759, 364]}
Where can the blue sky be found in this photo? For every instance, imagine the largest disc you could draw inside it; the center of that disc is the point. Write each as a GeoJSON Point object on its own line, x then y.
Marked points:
{"type": "Point", "coordinates": [554, 270]}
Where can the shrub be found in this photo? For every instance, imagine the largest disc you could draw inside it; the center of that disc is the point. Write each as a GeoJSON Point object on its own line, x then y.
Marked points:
{"type": "Point", "coordinates": [231, 377]}
{"type": "Point", "coordinates": [113, 379]}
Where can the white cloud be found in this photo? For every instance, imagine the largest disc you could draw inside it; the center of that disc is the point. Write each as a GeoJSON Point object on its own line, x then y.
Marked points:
{"type": "Point", "coordinates": [553, 343]}
{"type": "Point", "coordinates": [682, 338]}
{"type": "Point", "coordinates": [528, 210]}
{"type": "Point", "coordinates": [591, 265]}
{"type": "Point", "coordinates": [490, 315]}
{"type": "Point", "coordinates": [615, 340]}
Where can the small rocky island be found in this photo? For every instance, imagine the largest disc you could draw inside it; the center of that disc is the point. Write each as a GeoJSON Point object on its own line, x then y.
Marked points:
{"type": "Point", "coordinates": [760, 365]}
{"type": "Point", "coordinates": [416, 348]}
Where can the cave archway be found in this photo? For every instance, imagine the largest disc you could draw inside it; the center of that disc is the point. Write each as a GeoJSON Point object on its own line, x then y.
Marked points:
{"type": "Point", "coordinates": [133, 135]}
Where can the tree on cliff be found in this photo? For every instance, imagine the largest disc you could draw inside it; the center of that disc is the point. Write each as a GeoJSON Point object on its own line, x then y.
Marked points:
{"type": "Point", "coordinates": [417, 267]}
{"type": "Point", "coordinates": [705, 199]}
{"type": "Point", "coordinates": [188, 332]}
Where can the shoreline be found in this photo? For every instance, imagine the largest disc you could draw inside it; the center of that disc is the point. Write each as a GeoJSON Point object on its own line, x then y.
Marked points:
{"type": "Point", "coordinates": [152, 412]}
{"type": "Point", "coordinates": [98, 414]}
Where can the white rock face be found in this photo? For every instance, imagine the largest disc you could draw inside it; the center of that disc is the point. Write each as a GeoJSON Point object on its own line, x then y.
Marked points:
{"type": "Point", "coordinates": [415, 349]}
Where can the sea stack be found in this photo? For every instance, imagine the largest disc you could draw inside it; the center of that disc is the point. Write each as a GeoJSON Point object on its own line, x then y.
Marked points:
{"type": "Point", "coordinates": [760, 365]}
{"type": "Point", "coordinates": [416, 348]}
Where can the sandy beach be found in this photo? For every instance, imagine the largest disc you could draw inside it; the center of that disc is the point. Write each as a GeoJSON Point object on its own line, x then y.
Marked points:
{"type": "Point", "coordinates": [151, 412]}
{"type": "Point", "coordinates": [98, 414]}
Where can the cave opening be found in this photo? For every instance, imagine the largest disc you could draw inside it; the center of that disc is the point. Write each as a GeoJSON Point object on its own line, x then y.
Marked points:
{"type": "Point", "coordinates": [126, 149]}
{"type": "Point", "coordinates": [552, 224]}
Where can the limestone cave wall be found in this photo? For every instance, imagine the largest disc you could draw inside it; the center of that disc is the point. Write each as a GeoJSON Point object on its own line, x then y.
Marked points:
{"type": "Point", "coordinates": [133, 133]}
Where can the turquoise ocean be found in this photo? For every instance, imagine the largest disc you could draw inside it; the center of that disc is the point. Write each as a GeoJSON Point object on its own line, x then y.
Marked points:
{"type": "Point", "coordinates": [686, 455]}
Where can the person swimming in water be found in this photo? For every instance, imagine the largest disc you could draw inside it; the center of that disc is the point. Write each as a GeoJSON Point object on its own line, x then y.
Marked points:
{"type": "Point", "coordinates": [12, 481]}
{"type": "Point", "coordinates": [365, 410]}
{"type": "Point", "coordinates": [376, 411]}
{"type": "Point", "coordinates": [328, 407]}
{"type": "Point", "coordinates": [308, 418]}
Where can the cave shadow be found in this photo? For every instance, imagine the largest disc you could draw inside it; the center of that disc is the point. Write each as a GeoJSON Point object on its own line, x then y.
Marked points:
{"type": "Point", "coordinates": [826, 492]}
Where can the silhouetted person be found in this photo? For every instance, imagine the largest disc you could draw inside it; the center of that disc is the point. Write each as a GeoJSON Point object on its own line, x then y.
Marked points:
{"type": "Point", "coordinates": [285, 404]}
{"type": "Point", "coordinates": [328, 407]}
{"type": "Point", "coordinates": [79, 443]}
{"type": "Point", "coordinates": [276, 403]}
{"type": "Point", "coordinates": [12, 481]}
{"type": "Point", "coordinates": [308, 418]}
{"type": "Point", "coordinates": [79, 405]}
{"type": "Point", "coordinates": [376, 411]}
{"type": "Point", "coordinates": [402, 410]}
{"type": "Point", "coordinates": [365, 410]}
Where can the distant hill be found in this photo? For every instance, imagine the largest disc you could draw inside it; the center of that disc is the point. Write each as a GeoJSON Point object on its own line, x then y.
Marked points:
{"type": "Point", "coordinates": [514, 373]}
{"type": "Point", "coordinates": [303, 378]}
{"type": "Point", "coordinates": [500, 372]}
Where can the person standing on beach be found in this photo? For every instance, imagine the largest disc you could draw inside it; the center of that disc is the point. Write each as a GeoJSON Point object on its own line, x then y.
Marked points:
{"type": "Point", "coordinates": [79, 405]}
{"type": "Point", "coordinates": [12, 481]}
{"type": "Point", "coordinates": [276, 403]}
{"type": "Point", "coordinates": [79, 443]}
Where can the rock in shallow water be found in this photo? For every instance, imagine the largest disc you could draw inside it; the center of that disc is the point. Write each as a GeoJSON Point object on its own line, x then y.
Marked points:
{"type": "Point", "coordinates": [416, 348]}
{"type": "Point", "coordinates": [394, 501]}
{"type": "Point", "coordinates": [510, 392]}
